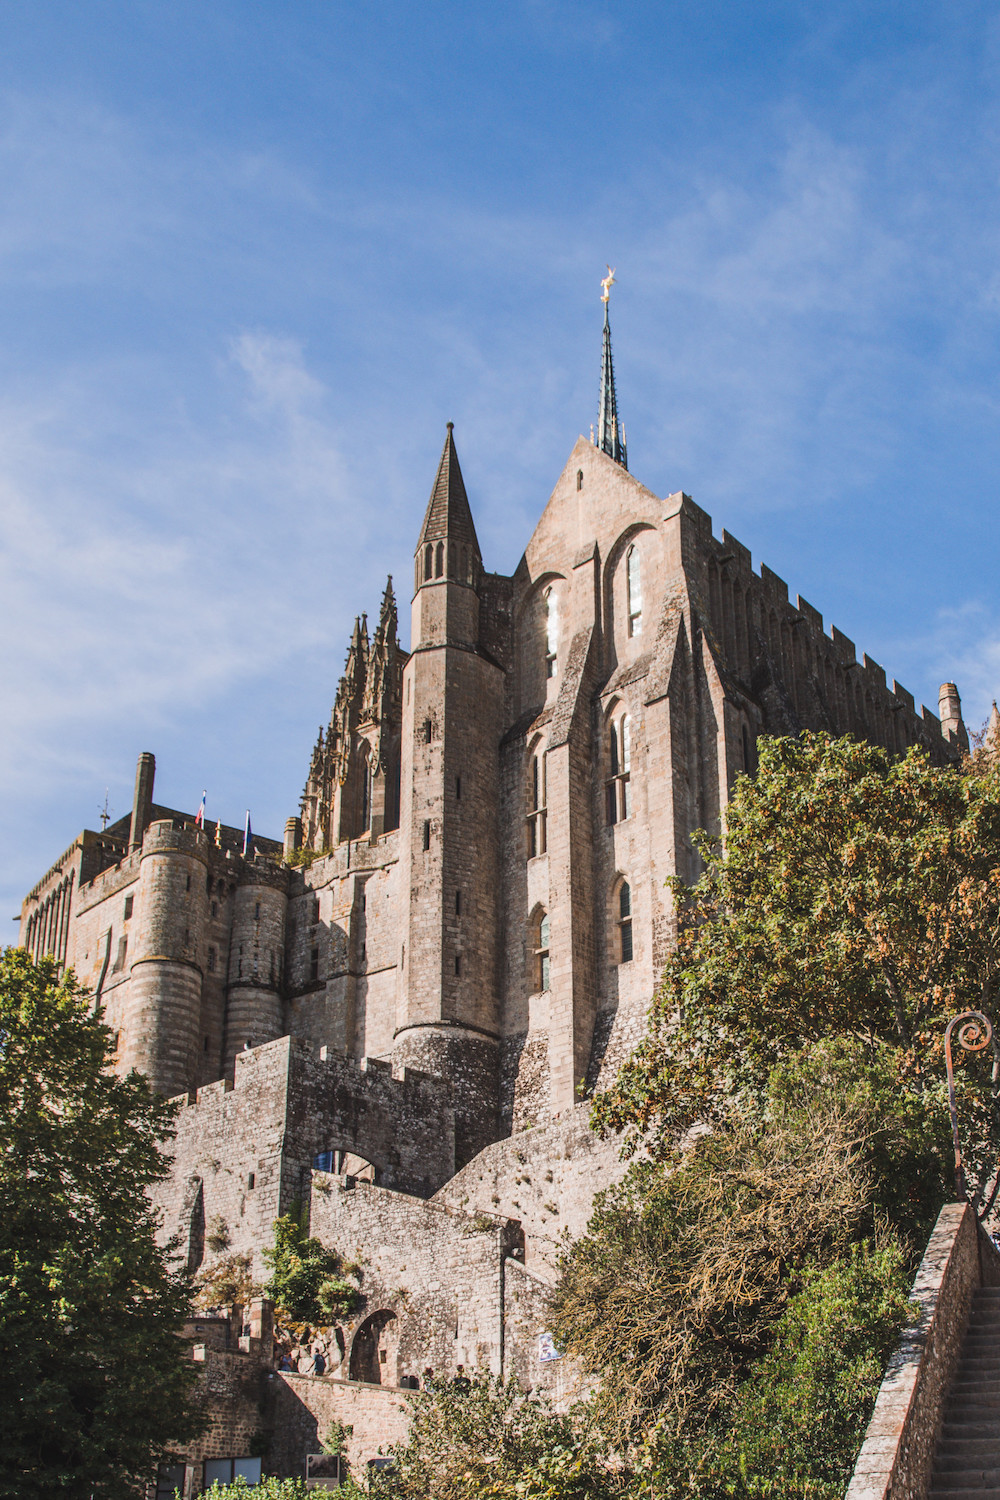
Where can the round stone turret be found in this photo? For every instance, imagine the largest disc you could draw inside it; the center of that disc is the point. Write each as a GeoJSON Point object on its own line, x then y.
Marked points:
{"type": "Point", "coordinates": [162, 1023]}
{"type": "Point", "coordinates": [256, 953]}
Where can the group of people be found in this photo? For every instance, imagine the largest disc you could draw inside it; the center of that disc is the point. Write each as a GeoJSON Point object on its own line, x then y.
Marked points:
{"type": "Point", "coordinates": [317, 1367]}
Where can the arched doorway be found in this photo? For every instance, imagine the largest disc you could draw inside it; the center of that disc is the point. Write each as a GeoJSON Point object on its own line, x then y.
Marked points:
{"type": "Point", "coordinates": [373, 1353]}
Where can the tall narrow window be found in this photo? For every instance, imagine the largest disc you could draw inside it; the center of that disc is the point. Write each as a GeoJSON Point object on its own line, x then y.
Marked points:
{"type": "Point", "coordinates": [634, 589]}
{"type": "Point", "coordinates": [428, 561]}
{"type": "Point", "coordinates": [537, 832]}
{"type": "Point", "coordinates": [367, 790]}
{"type": "Point", "coordinates": [625, 922]}
{"type": "Point", "coordinates": [618, 787]}
{"type": "Point", "coordinates": [541, 935]}
{"type": "Point", "coordinates": [551, 633]}
{"type": "Point", "coordinates": [439, 560]}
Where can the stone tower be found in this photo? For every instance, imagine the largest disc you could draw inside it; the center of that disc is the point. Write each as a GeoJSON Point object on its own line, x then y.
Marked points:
{"type": "Point", "coordinates": [448, 1017]}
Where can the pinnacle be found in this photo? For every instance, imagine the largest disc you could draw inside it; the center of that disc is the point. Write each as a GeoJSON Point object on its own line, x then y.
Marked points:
{"type": "Point", "coordinates": [448, 513]}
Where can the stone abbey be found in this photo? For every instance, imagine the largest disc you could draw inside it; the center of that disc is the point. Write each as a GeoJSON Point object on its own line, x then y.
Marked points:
{"type": "Point", "coordinates": [394, 1016]}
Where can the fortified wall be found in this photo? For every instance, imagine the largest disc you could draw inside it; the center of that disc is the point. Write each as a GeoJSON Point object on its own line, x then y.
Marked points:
{"type": "Point", "coordinates": [244, 1151]}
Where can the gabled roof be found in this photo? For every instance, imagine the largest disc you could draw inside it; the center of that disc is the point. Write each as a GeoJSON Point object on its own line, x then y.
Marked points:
{"type": "Point", "coordinates": [448, 514]}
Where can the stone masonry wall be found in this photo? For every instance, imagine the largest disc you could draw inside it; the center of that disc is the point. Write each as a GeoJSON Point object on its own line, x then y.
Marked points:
{"type": "Point", "coordinates": [545, 1178]}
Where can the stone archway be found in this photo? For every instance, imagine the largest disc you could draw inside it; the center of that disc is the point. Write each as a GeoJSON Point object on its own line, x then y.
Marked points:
{"type": "Point", "coordinates": [373, 1352]}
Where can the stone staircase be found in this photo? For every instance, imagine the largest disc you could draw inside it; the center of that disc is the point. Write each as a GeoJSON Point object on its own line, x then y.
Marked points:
{"type": "Point", "coordinates": [967, 1461]}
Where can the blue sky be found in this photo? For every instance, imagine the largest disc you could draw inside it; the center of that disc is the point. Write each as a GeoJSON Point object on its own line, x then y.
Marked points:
{"type": "Point", "coordinates": [253, 256]}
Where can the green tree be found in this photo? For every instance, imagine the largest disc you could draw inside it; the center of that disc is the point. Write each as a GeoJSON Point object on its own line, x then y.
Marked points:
{"type": "Point", "coordinates": [674, 1292]}
{"type": "Point", "coordinates": [797, 1420]}
{"type": "Point", "coordinates": [308, 1282]}
{"type": "Point", "coordinates": [90, 1307]}
{"type": "Point", "coordinates": [855, 895]}
{"type": "Point", "coordinates": [483, 1438]}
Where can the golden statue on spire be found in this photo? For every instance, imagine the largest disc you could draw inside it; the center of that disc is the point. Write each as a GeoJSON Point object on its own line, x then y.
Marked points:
{"type": "Point", "coordinates": [607, 282]}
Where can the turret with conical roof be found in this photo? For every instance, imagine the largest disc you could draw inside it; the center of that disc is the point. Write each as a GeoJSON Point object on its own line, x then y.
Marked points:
{"type": "Point", "coordinates": [449, 848]}
{"type": "Point", "coordinates": [448, 546]}
{"type": "Point", "coordinates": [447, 555]}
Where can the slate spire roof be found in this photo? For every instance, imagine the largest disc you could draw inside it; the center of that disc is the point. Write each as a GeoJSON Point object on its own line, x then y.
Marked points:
{"type": "Point", "coordinates": [610, 433]}
{"type": "Point", "coordinates": [448, 514]}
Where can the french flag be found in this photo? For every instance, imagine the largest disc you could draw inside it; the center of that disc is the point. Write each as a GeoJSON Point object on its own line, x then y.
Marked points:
{"type": "Point", "coordinates": [199, 817]}
{"type": "Point", "coordinates": [247, 834]}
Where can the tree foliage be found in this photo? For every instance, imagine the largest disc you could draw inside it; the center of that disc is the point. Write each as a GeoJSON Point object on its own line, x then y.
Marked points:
{"type": "Point", "coordinates": [90, 1308]}
{"type": "Point", "coordinates": [483, 1438]}
{"type": "Point", "coordinates": [674, 1292]}
{"type": "Point", "coordinates": [308, 1282]}
{"type": "Point", "coordinates": [855, 895]}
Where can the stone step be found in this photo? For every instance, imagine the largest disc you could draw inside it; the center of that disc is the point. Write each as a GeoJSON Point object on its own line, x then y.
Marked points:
{"type": "Point", "coordinates": [968, 1448]}
{"type": "Point", "coordinates": [966, 1457]}
{"type": "Point", "coordinates": [973, 1493]}
{"type": "Point", "coordinates": [966, 1479]}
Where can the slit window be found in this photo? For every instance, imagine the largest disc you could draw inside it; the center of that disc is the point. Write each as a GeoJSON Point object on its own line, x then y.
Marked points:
{"type": "Point", "coordinates": [618, 787]}
{"type": "Point", "coordinates": [458, 964]}
{"type": "Point", "coordinates": [314, 964]}
{"type": "Point", "coordinates": [427, 833]}
{"type": "Point", "coordinates": [625, 923]}
{"type": "Point", "coordinates": [537, 830]}
{"type": "Point", "coordinates": [129, 904]}
{"type": "Point", "coordinates": [458, 903]}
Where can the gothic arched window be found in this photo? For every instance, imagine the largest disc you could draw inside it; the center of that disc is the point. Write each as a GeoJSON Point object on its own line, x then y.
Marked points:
{"type": "Point", "coordinates": [625, 923]}
{"type": "Point", "coordinates": [537, 840]}
{"type": "Point", "coordinates": [439, 560]}
{"type": "Point", "coordinates": [540, 944]}
{"type": "Point", "coordinates": [633, 585]}
{"type": "Point", "coordinates": [618, 787]}
{"type": "Point", "coordinates": [428, 561]}
{"type": "Point", "coordinates": [551, 632]}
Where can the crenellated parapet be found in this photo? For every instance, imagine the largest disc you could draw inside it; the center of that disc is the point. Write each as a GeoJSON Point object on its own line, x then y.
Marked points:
{"type": "Point", "coordinates": [246, 1146]}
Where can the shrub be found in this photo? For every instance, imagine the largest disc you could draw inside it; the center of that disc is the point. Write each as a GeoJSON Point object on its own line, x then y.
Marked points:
{"type": "Point", "coordinates": [801, 1415]}
{"type": "Point", "coordinates": [308, 1281]}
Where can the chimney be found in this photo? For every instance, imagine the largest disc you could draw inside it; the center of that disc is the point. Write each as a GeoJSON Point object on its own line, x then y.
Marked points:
{"type": "Point", "coordinates": [142, 803]}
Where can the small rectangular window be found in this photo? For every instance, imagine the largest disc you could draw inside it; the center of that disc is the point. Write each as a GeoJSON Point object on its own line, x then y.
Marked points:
{"type": "Point", "coordinates": [458, 903]}
{"type": "Point", "coordinates": [256, 912]}
{"type": "Point", "coordinates": [215, 909]}
{"type": "Point", "coordinates": [458, 788]}
{"type": "Point", "coordinates": [170, 1477]}
{"type": "Point", "coordinates": [187, 887]}
{"type": "Point", "coordinates": [427, 833]}
{"type": "Point", "coordinates": [251, 1182]}
{"type": "Point", "coordinates": [458, 963]}
{"type": "Point", "coordinates": [428, 731]}
{"type": "Point", "coordinates": [129, 903]}
{"type": "Point", "coordinates": [205, 1047]}
{"type": "Point", "coordinates": [314, 964]}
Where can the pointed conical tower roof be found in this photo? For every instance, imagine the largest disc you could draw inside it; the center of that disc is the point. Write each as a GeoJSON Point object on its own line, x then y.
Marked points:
{"type": "Point", "coordinates": [448, 514]}
{"type": "Point", "coordinates": [991, 740]}
{"type": "Point", "coordinates": [610, 434]}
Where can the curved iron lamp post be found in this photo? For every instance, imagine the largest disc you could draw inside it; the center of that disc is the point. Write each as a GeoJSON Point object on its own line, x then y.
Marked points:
{"type": "Point", "coordinates": [975, 1033]}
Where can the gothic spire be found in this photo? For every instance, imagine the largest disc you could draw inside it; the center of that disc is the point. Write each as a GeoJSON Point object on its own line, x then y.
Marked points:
{"type": "Point", "coordinates": [448, 514]}
{"type": "Point", "coordinates": [610, 435]}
